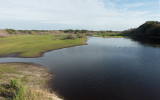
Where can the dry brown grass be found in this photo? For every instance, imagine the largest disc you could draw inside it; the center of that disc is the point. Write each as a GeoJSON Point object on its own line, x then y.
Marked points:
{"type": "Point", "coordinates": [35, 79]}
{"type": "Point", "coordinates": [3, 33]}
{"type": "Point", "coordinates": [36, 93]}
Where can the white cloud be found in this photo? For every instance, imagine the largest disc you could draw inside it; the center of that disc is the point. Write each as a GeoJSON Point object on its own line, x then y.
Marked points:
{"type": "Point", "coordinates": [159, 6]}
{"type": "Point", "coordinates": [137, 4]}
{"type": "Point", "coordinates": [89, 14]}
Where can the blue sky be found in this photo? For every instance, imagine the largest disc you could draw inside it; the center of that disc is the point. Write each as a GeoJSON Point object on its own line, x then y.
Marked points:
{"type": "Point", "coordinates": [77, 14]}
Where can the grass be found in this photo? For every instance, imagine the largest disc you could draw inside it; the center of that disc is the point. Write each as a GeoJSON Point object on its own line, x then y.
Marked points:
{"type": "Point", "coordinates": [109, 35]}
{"type": "Point", "coordinates": [16, 90]}
{"type": "Point", "coordinates": [19, 90]}
{"type": "Point", "coordinates": [28, 73]}
{"type": "Point", "coordinates": [35, 45]}
{"type": "Point", "coordinates": [6, 69]}
{"type": "Point", "coordinates": [23, 81]}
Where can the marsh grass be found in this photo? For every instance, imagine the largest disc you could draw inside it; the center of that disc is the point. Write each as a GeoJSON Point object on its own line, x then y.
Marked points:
{"type": "Point", "coordinates": [16, 90]}
{"type": "Point", "coordinates": [25, 82]}
{"type": "Point", "coordinates": [6, 69]}
{"type": "Point", "coordinates": [114, 35]}
{"type": "Point", "coordinates": [35, 45]}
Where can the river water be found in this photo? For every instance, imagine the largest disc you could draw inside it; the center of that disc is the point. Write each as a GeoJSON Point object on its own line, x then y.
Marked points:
{"type": "Point", "coordinates": [105, 69]}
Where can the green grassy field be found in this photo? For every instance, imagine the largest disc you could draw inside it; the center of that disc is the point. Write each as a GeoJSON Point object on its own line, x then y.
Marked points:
{"type": "Point", "coordinates": [109, 35]}
{"type": "Point", "coordinates": [35, 45]}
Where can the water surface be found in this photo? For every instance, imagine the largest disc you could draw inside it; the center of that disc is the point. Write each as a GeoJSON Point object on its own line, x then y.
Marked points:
{"type": "Point", "coordinates": [105, 69]}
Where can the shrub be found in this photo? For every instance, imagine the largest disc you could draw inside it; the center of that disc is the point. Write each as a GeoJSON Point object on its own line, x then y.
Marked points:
{"type": "Point", "coordinates": [32, 32]}
{"type": "Point", "coordinates": [89, 34]}
{"type": "Point", "coordinates": [68, 36]}
{"type": "Point", "coordinates": [19, 89]}
{"type": "Point", "coordinates": [81, 35]}
{"type": "Point", "coordinates": [10, 31]}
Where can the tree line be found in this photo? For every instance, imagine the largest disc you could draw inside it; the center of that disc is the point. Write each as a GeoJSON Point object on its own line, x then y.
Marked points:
{"type": "Point", "coordinates": [148, 29]}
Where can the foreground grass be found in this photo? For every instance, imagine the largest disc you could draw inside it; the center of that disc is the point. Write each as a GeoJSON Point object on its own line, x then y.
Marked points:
{"type": "Point", "coordinates": [35, 45]}
{"type": "Point", "coordinates": [20, 81]}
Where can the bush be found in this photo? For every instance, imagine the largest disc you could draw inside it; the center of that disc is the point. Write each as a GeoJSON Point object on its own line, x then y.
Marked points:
{"type": "Point", "coordinates": [81, 35]}
{"type": "Point", "coordinates": [10, 31]}
{"type": "Point", "coordinates": [19, 89]}
{"type": "Point", "coordinates": [32, 32]}
{"type": "Point", "coordinates": [15, 90]}
{"type": "Point", "coordinates": [89, 34]}
{"type": "Point", "coordinates": [69, 36]}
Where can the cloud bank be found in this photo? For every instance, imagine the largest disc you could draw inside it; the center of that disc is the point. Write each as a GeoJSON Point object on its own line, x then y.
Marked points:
{"type": "Point", "coordinates": [74, 14]}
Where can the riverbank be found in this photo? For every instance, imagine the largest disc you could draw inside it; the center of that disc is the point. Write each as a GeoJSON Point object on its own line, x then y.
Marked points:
{"type": "Point", "coordinates": [34, 78]}
{"type": "Point", "coordinates": [36, 45]}
{"type": "Point", "coordinates": [109, 35]}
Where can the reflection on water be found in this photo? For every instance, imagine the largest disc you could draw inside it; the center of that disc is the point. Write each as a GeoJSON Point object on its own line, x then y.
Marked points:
{"type": "Point", "coordinates": [155, 42]}
{"type": "Point", "coordinates": [105, 69]}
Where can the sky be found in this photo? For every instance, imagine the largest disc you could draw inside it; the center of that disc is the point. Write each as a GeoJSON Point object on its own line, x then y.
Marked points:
{"type": "Point", "coordinates": [77, 14]}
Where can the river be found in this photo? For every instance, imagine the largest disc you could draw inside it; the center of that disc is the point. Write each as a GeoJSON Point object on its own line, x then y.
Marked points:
{"type": "Point", "coordinates": [105, 69]}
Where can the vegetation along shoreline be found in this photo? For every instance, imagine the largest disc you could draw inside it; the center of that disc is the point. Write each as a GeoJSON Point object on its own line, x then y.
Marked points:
{"type": "Point", "coordinates": [25, 81]}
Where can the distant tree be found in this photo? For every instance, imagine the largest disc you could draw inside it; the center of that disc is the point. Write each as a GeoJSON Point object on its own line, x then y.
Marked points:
{"type": "Point", "coordinates": [150, 28]}
{"type": "Point", "coordinates": [10, 31]}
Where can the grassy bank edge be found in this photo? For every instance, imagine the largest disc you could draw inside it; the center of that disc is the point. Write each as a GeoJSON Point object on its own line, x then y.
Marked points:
{"type": "Point", "coordinates": [38, 89]}
{"type": "Point", "coordinates": [110, 35]}
{"type": "Point", "coordinates": [42, 53]}
{"type": "Point", "coordinates": [17, 49]}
